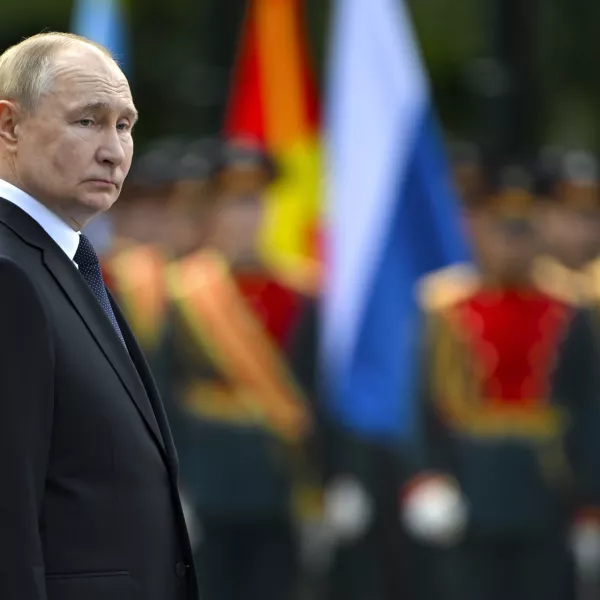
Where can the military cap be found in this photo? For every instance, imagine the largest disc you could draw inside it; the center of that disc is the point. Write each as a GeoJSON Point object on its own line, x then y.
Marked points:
{"type": "Point", "coordinates": [246, 154]}
{"type": "Point", "coordinates": [193, 173]}
{"type": "Point", "coordinates": [200, 159]}
{"type": "Point", "coordinates": [570, 178]}
{"type": "Point", "coordinates": [158, 165]}
{"type": "Point", "coordinates": [511, 202]}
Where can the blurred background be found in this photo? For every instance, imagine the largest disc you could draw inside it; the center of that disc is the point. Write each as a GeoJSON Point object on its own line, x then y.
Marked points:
{"type": "Point", "coordinates": [352, 243]}
{"type": "Point", "coordinates": [502, 73]}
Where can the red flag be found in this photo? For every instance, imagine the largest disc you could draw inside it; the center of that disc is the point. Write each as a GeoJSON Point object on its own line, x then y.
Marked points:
{"type": "Point", "coordinates": [274, 100]}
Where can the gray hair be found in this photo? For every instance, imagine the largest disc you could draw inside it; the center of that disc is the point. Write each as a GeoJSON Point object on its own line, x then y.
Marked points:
{"type": "Point", "coordinates": [26, 69]}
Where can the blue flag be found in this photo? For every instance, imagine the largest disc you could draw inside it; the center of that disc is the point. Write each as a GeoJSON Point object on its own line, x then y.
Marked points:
{"type": "Point", "coordinates": [102, 21]}
{"type": "Point", "coordinates": [392, 215]}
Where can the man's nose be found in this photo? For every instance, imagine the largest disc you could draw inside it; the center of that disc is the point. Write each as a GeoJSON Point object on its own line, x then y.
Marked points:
{"type": "Point", "coordinates": [111, 148]}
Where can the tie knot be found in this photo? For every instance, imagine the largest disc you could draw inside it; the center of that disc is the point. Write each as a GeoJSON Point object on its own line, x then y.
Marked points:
{"type": "Point", "coordinates": [86, 255]}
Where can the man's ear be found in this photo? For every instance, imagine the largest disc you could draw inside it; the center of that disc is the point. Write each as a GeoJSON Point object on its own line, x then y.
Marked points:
{"type": "Point", "coordinates": [10, 115]}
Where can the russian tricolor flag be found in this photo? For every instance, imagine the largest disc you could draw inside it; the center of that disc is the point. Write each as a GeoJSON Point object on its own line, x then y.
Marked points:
{"type": "Point", "coordinates": [392, 215]}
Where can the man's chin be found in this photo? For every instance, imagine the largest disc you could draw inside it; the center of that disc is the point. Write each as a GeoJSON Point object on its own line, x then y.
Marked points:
{"type": "Point", "coordinates": [98, 202]}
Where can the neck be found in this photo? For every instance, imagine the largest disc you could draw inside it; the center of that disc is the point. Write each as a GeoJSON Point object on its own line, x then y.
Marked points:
{"type": "Point", "coordinates": [74, 222]}
{"type": "Point", "coordinates": [8, 174]}
{"type": "Point", "coordinates": [503, 281]}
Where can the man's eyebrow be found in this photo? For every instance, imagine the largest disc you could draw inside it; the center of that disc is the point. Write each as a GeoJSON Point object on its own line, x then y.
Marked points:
{"type": "Point", "coordinates": [129, 112]}
{"type": "Point", "coordinates": [132, 114]}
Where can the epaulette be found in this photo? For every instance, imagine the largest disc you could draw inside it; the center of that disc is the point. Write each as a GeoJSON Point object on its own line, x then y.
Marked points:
{"type": "Point", "coordinates": [303, 276]}
{"type": "Point", "coordinates": [121, 244]}
{"type": "Point", "coordinates": [449, 286]}
{"type": "Point", "coordinates": [560, 283]}
{"type": "Point", "coordinates": [594, 272]}
{"type": "Point", "coordinates": [182, 273]}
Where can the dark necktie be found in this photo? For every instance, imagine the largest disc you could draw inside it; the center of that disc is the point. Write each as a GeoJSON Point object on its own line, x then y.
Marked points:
{"type": "Point", "coordinates": [89, 267]}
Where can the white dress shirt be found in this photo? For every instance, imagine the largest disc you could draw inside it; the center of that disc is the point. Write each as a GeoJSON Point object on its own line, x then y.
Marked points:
{"type": "Point", "coordinates": [64, 235]}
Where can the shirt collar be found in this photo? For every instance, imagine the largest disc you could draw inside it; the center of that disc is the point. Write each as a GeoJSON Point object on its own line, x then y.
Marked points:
{"type": "Point", "coordinates": [66, 237]}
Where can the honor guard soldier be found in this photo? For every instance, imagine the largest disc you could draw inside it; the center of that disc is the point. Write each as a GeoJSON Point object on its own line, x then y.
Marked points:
{"type": "Point", "coordinates": [570, 226]}
{"type": "Point", "coordinates": [238, 417]}
{"type": "Point", "coordinates": [508, 440]}
{"type": "Point", "coordinates": [136, 266]}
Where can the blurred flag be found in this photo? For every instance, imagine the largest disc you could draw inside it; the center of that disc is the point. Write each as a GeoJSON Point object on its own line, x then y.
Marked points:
{"type": "Point", "coordinates": [392, 214]}
{"type": "Point", "coordinates": [274, 101]}
{"type": "Point", "coordinates": [102, 21]}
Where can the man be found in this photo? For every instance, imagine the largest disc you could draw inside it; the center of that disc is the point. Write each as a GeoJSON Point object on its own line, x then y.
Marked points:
{"type": "Point", "coordinates": [570, 227]}
{"type": "Point", "coordinates": [570, 268]}
{"type": "Point", "coordinates": [89, 505]}
{"type": "Point", "coordinates": [237, 416]}
{"type": "Point", "coordinates": [508, 440]}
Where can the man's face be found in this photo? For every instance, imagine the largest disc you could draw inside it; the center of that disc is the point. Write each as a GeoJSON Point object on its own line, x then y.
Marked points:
{"type": "Point", "coordinates": [75, 150]}
{"type": "Point", "coordinates": [238, 214]}
{"type": "Point", "coordinates": [573, 236]}
{"type": "Point", "coordinates": [505, 247]}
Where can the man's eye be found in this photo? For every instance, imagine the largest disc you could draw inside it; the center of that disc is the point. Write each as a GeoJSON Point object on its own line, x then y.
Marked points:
{"type": "Point", "coordinates": [86, 122]}
{"type": "Point", "coordinates": [123, 126]}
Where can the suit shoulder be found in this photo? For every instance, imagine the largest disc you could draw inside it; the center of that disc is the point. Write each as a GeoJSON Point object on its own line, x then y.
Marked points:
{"type": "Point", "coordinates": [20, 295]}
{"type": "Point", "coordinates": [12, 246]}
{"type": "Point", "coordinates": [447, 287]}
{"type": "Point", "coordinates": [20, 265]}
{"type": "Point", "coordinates": [12, 270]}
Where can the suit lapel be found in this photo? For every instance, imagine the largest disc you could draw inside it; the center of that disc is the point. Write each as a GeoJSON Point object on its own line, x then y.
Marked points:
{"type": "Point", "coordinates": [102, 330]}
{"type": "Point", "coordinates": [85, 303]}
{"type": "Point", "coordinates": [142, 368]}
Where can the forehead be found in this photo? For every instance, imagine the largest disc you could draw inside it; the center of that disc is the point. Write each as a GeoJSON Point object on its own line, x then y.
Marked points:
{"type": "Point", "coordinates": [86, 76]}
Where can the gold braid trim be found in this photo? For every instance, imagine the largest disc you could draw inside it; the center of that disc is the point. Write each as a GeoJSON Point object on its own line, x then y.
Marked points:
{"type": "Point", "coordinates": [139, 275]}
{"type": "Point", "coordinates": [457, 391]}
{"type": "Point", "coordinates": [236, 342]}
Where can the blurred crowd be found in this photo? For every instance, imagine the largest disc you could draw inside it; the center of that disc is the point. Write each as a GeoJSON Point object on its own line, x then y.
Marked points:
{"type": "Point", "coordinates": [496, 494]}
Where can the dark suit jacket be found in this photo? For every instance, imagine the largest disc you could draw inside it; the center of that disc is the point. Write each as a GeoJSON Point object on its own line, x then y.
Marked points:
{"type": "Point", "coordinates": [89, 507]}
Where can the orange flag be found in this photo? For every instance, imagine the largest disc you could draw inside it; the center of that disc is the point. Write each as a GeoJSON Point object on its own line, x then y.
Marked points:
{"type": "Point", "coordinates": [274, 101]}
